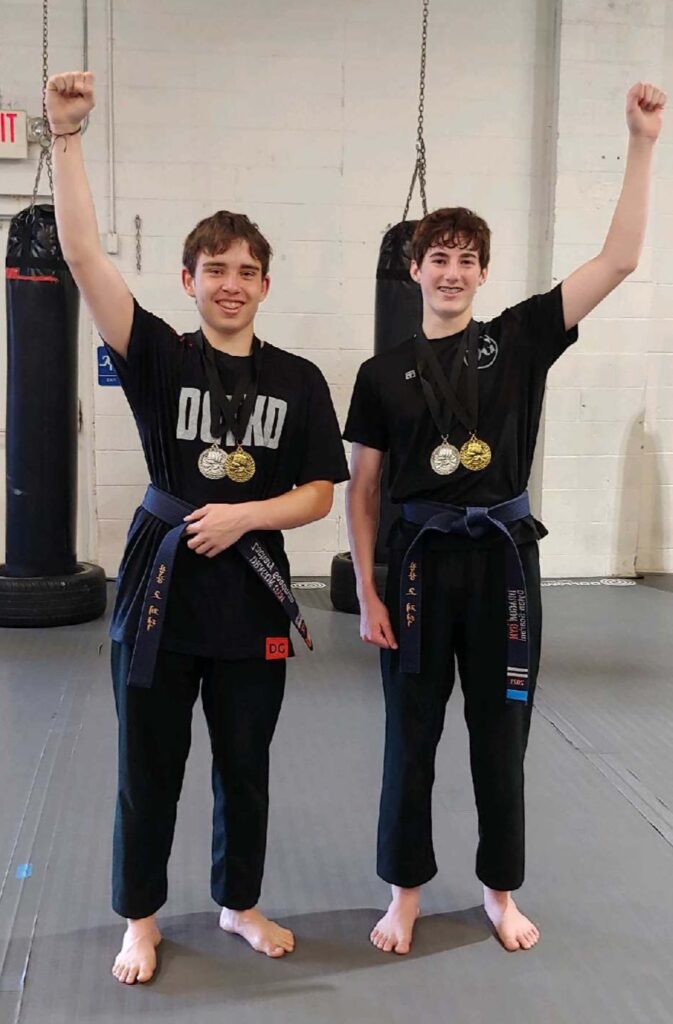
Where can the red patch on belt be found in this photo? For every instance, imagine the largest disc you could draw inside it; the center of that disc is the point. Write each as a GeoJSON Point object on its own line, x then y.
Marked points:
{"type": "Point", "coordinates": [277, 647]}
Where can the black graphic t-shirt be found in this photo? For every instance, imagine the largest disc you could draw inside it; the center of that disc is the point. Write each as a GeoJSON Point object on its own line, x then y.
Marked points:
{"type": "Point", "coordinates": [388, 411]}
{"type": "Point", "coordinates": [217, 607]}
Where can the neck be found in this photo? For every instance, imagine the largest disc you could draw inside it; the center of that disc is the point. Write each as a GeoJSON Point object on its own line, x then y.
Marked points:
{"type": "Point", "coordinates": [435, 326]}
{"type": "Point", "coordinates": [236, 344]}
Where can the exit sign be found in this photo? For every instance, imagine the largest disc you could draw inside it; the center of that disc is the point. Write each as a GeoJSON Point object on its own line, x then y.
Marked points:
{"type": "Point", "coordinates": [13, 138]}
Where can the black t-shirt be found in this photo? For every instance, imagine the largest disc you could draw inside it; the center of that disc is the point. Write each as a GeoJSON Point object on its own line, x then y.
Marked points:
{"type": "Point", "coordinates": [388, 411]}
{"type": "Point", "coordinates": [217, 607]}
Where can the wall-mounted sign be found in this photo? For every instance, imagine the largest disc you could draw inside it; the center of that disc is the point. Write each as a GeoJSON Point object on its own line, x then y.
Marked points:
{"type": "Point", "coordinates": [107, 375]}
{"type": "Point", "coordinates": [13, 137]}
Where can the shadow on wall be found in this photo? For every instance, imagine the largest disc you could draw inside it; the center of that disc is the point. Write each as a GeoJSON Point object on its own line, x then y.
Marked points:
{"type": "Point", "coordinates": [627, 500]}
{"type": "Point", "coordinates": [651, 537]}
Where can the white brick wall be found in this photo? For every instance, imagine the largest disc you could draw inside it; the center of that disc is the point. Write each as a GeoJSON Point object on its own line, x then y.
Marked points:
{"type": "Point", "coordinates": [601, 498]}
{"type": "Point", "coordinates": [303, 114]}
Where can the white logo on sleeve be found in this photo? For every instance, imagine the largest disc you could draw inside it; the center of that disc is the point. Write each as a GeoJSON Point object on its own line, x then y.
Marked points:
{"type": "Point", "coordinates": [264, 427]}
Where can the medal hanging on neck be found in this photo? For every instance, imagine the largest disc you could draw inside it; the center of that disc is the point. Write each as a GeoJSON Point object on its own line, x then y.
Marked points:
{"type": "Point", "coordinates": [230, 415]}
{"type": "Point", "coordinates": [475, 454]}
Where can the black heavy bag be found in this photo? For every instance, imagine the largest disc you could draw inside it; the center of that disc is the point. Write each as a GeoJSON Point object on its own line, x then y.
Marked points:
{"type": "Point", "coordinates": [42, 315]}
{"type": "Point", "coordinates": [398, 312]}
{"type": "Point", "coordinates": [41, 582]}
{"type": "Point", "coordinates": [399, 305]}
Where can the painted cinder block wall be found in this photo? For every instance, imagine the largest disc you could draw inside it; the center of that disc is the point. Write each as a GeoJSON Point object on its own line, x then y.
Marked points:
{"type": "Point", "coordinates": [304, 116]}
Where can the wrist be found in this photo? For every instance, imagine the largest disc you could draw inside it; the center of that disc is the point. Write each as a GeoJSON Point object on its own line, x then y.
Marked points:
{"type": "Point", "coordinates": [250, 519]}
{"type": "Point", "coordinates": [64, 128]}
{"type": "Point", "coordinates": [366, 589]}
{"type": "Point", "coordinates": [642, 141]}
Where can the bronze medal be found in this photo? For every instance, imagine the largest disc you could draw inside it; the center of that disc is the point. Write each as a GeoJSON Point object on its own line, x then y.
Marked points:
{"type": "Point", "coordinates": [475, 454]}
{"type": "Point", "coordinates": [213, 462]}
{"type": "Point", "coordinates": [240, 466]}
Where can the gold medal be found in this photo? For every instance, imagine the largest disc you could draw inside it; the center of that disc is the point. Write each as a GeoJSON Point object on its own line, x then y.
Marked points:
{"type": "Point", "coordinates": [240, 466]}
{"type": "Point", "coordinates": [213, 462]}
{"type": "Point", "coordinates": [475, 454]}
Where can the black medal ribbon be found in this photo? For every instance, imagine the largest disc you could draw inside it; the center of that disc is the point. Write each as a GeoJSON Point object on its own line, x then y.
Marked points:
{"type": "Point", "coordinates": [231, 414]}
{"type": "Point", "coordinates": [433, 380]}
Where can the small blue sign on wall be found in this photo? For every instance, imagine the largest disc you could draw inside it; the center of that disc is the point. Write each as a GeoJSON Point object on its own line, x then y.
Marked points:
{"type": "Point", "coordinates": [107, 375]}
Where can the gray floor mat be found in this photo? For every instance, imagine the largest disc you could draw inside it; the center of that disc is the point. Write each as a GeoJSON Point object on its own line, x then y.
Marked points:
{"type": "Point", "coordinates": [599, 871]}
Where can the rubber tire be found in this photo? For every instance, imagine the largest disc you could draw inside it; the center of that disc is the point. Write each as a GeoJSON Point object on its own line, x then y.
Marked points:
{"type": "Point", "coordinates": [37, 601]}
{"type": "Point", "coordinates": [343, 593]}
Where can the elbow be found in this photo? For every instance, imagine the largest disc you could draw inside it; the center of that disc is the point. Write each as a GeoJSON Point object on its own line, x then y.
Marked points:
{"type": "Point", "coordinates": [621, 265]}
{"type": "Point", "coordinates": [325, 506]}
{"type": "Point", "coordinates": [76, 258]}
{"type": "Point", "coordinates": [324, 499]}
{"type": "Point", "coordinates": [362, 497]}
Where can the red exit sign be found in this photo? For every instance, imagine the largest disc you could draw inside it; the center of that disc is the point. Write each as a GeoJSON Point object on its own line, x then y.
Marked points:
{"type": "Point", "coordinates": [13, 139]}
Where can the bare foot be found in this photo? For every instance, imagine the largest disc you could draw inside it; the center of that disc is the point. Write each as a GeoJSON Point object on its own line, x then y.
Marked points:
{"type": "Point", "coordinates": [514, 930]}
{"type": "Point", "coordinates": [137, 959]}
{"type": "Point", "coordinates": [393, 932]}
{"type": "Point", "coordinates": [263, 935]}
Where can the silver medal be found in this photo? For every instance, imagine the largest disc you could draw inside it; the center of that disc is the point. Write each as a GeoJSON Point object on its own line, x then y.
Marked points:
{"type": "Point", "coordinates": [445, 459]}
{"type": "Point", "coordinates": [213, 462]}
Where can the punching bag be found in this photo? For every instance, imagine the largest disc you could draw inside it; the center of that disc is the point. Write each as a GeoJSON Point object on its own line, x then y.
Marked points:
{"type": "Point", "coordinates": [41, 582]}
{"type": "Point", "coordinates": [399, 306]}
{"type": "Point", "coordinates": [398, 312]}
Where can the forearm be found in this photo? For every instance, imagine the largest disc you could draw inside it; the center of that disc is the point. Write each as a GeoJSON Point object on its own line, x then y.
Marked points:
{"type": "Point", "coordinates": [75, 211]}
{"type": "Point", "coordinates": [362, 509]}
{"type": "Point", "coordinates": [298, 507]}
{"type": "Point", "coordinates": [624, 241]}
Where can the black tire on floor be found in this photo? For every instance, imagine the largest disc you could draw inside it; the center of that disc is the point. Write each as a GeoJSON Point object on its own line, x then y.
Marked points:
{"type": "Point", "coordinates": [342, 583]}
{"type": "Point", "coordinates": [53, 600]}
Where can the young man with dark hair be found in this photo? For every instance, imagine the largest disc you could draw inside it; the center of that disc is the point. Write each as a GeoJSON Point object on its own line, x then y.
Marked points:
{"type": "Point", "coordinates": [241, 442]}
{"type": "Point", "coordinates": [458, 408]}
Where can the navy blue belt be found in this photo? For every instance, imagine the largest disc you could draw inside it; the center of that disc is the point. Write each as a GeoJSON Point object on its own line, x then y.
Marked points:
{"type": "Point", "coordinates": [172, 510]}
{"type": "Point", "coordinates": [474, 522]}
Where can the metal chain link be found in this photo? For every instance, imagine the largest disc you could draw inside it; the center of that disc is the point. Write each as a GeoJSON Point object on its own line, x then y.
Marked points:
{"type": "Point", "coordinates": [139, 251]}
{"type": "Point", "coordinates": [420, 166]}
{"type": "Point", "coordinates": [45, 141]}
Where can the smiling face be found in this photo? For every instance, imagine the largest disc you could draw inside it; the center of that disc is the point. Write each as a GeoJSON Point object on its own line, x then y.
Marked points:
{"type": "Point", "coordinates": [449, 276]}
{"type": "Point", "coordinates": [228, 288]}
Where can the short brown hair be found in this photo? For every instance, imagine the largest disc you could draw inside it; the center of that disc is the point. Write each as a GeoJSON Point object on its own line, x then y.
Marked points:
{"type": "Point", "coordinates": [215, 234]}
{"type": "Point", "coordinates": [452, 226]}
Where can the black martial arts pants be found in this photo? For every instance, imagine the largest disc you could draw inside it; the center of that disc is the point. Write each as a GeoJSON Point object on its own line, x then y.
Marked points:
{"type": "Point", "coordinates": [464, 620]}
{"type": "Point", "coordinates": [241, 701]}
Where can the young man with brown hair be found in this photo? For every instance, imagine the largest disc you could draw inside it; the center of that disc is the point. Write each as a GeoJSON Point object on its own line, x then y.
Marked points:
{"type": "Point", "coordinates": [241, 441]}
{"type": "Point", "coordinates": [458, 408]}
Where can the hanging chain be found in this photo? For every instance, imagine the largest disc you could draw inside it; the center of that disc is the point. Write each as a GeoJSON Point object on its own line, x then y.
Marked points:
{"type": "Point", "coordinates": [45, 140]}
{"type": "Point", "coordinates": [139, 252]}
{"type": "Point", "coordinates": [420, 144]}
{"type": "Point", "coordinates": [420, 166]}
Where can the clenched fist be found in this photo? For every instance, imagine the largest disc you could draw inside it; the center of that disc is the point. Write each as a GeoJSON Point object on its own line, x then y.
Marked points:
{"type": "Point", "coordinates": [644, 109]}
{"type": "Point", "coordinates": [69, 98]}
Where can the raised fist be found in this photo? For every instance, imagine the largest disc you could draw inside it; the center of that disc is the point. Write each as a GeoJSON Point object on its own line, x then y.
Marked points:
{"type": "Point", "coordinates": [644, 110]}
{"type": "Point", "coordinates": [69, 98]}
